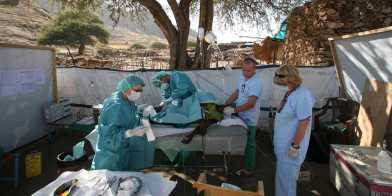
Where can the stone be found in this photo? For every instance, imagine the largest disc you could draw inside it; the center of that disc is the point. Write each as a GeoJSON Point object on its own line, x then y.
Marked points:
{"type": "Point", "coordinates": [386, 10]}
{"type": "Point", "coordinates": [334, 25]}
{"type": "Point", "coordinates": [359, 24]}
{"type": "Point", "coordinates": [388, 21]}
{"type": "Point", "coordinates": [307, 40]}
{"type": "Point", "coordinates": [9, 2]}
{"type": "Point", "coordinates": [322, 13]}
{"type": "Point", "coordinates": [331, 12]}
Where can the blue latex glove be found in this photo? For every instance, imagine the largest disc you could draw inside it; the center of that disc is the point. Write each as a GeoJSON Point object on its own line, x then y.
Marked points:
{"type": "Point", "coordinates": [78, 150]}
{"type": "Point", "coordinates": [68, 158]}
{"type": "Point", "coordinates": [177, 102]}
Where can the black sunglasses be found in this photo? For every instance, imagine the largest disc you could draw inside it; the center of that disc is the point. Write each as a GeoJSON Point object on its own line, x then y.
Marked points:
{"type": "Point", "coordinates": [280, 75]}
{"type": "Point", "coordinates": [138, 90]}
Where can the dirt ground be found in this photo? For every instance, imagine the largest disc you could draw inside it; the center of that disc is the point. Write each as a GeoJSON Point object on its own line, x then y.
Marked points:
{"type": "Point", "coordinates": [265, 169]}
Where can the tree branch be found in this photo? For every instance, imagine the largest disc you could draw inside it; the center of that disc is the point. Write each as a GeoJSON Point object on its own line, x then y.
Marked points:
{"type": "Point", "coordinates": [161, 18]}
{"type": "Point", "coordinates": [182, 19]}
{"type": "Point", "coordinates": [185, 5]}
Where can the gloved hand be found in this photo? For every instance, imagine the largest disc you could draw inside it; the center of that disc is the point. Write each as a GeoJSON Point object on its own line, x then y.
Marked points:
{"type": "Point", "coordinates": [293, 152]}
{"type": "Point", "coordinates": [149, 111]}
{"type": "Point", "coordinates": [228, 111]}
{"type": "Point", "coordinates": [177, 102]}
{"type": "Point", "coordinates": [139, 131]}
{"type": "Point", "coordinates": [164, 102]}
{"type": "Point", "coordinates": [141, 107]}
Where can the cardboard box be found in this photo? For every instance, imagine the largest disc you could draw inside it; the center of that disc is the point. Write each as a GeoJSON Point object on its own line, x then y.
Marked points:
{"type": "Point", "coordinates": [356, 173]}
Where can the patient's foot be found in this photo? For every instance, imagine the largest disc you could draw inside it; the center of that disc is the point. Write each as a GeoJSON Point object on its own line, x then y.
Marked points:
{"type": "Point", "coordinates": [244, 172]}
{"type": "Point", "coordinates": [186, 139]}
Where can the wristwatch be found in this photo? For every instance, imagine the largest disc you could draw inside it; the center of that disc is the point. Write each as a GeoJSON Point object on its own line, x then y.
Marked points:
{"type": "Point", "coordinates": [296, 146]}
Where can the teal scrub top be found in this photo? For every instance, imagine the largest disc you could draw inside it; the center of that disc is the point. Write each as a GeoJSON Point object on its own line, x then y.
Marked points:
{"type": "Point", "coordinates": [188, 109]}
{"type": "Point", "coordinates": [114, 151]}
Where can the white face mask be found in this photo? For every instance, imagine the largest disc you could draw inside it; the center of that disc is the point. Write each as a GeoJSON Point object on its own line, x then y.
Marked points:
{"type": "Point", "coordinates": [134, 96]}
{"type": "Point", "coordinates": [165, 85]}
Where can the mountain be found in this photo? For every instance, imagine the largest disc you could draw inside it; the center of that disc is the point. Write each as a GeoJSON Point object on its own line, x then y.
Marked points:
{"type": "Point", "coordinates": [20, 24]}
{"type": "Point", "coordinates": [127, 31]}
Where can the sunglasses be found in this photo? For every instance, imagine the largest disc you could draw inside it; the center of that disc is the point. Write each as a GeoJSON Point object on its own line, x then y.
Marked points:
{"type": "Point", "coordinates": [137, 90]}
{"type": "Point", "coordinates": [280, 75]}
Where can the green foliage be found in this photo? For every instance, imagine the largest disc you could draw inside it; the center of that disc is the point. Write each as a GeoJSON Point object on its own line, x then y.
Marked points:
{"type": "Point", "coordinates": [78, 4]}
{"type": "Point", "coordinates": [137, 46]}
{"type": "Point", "coordinates": [191, 44]}
{"type": "Point", "coordinates": [74, 28]}
{"type": "Point", "coordinates": [261, 13]}
{"type": "Point", "coordinates": [158, 45]}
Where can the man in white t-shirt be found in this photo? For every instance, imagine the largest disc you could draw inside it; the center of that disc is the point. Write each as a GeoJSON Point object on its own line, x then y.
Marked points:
{"type": "Point", "coordinates": [246, 98]}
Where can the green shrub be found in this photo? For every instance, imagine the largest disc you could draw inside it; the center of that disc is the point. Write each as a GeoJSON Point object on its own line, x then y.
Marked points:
{"type": "Point", "coordinates": [158, 45]}
{"type": "Point", "coordinates": [137, 46]}
{"type": "Point", "coordinates": [192, 44]}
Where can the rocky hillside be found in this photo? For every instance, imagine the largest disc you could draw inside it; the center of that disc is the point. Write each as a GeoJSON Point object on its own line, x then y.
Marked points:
{"type": "Point", "coordinates": [311, 25]}
{"type": "Point", "coordinates": [126, 32]}
{"type": "Point", "coordinates": [20, 24]}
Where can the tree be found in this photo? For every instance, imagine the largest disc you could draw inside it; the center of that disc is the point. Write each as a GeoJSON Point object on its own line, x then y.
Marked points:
{"type": "Point", "coordinates": [232, 12]}
{"type": "Point", "coordinates": [176, 32]}
{"type": "Point", "coordinates": [74, 29]}
{"type": "Point", "coordinates": [202, 55]}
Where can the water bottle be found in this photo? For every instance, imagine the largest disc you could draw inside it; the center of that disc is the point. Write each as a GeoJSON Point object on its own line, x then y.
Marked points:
{"type": "Point", "coordinates": [384, 161]}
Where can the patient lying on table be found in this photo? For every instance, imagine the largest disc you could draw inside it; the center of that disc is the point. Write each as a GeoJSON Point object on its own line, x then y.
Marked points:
{"type": "Point", "coordinates": [212, 113]}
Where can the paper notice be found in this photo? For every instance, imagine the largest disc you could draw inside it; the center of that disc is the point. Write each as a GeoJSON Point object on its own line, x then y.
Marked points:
{"type": "Point", "coordinates": [39, 77]}
{"type": "Point", "coordinates": [9, 78]}
{"type": "Point", "coordinates": [26, 76]}
{"type": "Point", "coordinates": [26, 88]}
{"type": "Point", "coordinates": [8, 90]}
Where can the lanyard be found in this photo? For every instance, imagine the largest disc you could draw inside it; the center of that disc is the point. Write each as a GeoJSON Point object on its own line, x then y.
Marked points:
{"type": "Point", "coordinates": [284, 100]}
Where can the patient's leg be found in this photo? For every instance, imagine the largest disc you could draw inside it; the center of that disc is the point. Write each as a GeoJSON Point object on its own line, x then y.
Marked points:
{"type": "Point", "coordinates": [201, 129]}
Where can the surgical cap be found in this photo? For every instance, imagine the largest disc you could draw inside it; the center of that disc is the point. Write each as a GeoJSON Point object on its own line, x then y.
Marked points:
{"type": "Point", "coordinates": [156, 80]}
{"type": "Point", "coordinates": [129, 82]}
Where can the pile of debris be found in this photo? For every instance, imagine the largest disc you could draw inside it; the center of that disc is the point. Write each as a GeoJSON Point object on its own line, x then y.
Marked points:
{"type": "Point", "coordinates": [116, 59]}
{"type": "Point", "coordinates": [311, 25]}
{"type": "Point", "coordinates": [132, 59]}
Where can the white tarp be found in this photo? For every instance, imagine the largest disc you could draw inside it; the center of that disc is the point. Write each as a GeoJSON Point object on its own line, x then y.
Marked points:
{"type": "Point", "coordinates": [92, 86]}
{"type": "Point", "coordinates": [364, 58]}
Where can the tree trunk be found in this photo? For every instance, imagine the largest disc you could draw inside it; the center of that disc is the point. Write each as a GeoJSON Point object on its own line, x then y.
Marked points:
{"type": "Point", "coordinates": [182, 46]}
{"type": "Point", "coordinates": [70, 54]}
{"type": "Point", "coordinates": [177, 36]}
{"type": "Point", "coordinates": [81, 49]}
{"type": "Point", "coordinates": [178, 46]}
{"type": "Point", "coordinates": [202, 56]}
{"type": "Point", "coordinates": [173, 45]}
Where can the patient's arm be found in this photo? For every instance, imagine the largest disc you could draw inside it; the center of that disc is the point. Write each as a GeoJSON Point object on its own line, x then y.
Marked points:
{"type": "Point", "coordinates": [232, 98]}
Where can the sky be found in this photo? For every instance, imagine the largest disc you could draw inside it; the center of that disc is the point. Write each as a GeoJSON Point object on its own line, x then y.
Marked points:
{"type": "Point", "coordinates": [226, 35]}
{"type": "Point", "coordinates": [244, 32]}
